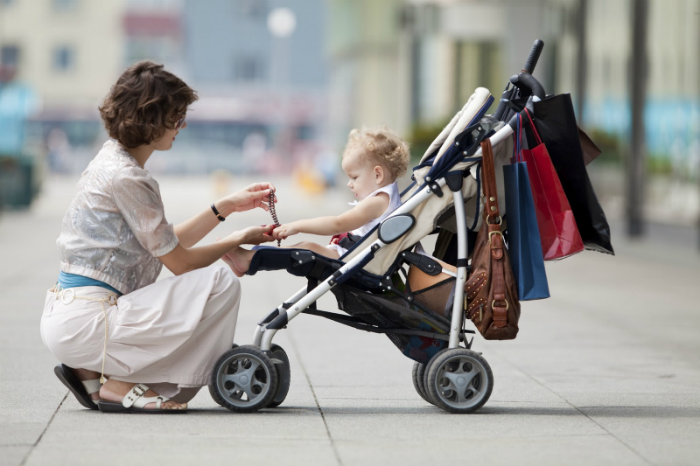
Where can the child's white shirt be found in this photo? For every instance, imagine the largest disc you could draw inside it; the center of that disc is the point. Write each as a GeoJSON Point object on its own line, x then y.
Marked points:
{"type": "Point", "coordinates": [394, 202]}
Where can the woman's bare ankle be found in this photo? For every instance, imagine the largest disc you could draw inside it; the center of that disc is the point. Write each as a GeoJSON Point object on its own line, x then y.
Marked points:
{"type": "Point", "coordinates": [84, 374]}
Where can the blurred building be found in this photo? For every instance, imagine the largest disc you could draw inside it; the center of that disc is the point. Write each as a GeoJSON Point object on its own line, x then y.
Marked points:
{"type": "Point", "coordinates": [415, 62]}
{"type": "Point", "coordinates": [409, 63]}
{"type": "Point", "coordinates": [672, 113]}
{"type": "Point", "coordinates": [68, 51]}
{"type": "Point", "coordinates": [153, 30]}
{"type": "Point", "coordinates": [257, 90]}
{"type": "Point", "coordinates": [368, 78]}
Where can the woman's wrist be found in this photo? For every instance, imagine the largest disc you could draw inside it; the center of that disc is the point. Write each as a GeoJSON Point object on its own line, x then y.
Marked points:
{"type": "Point", "coordinates": [225, 207]}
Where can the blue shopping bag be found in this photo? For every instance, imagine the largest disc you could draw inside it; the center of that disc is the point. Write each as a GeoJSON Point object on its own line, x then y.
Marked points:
{"type": "Point", "coordinates": [524, 245]}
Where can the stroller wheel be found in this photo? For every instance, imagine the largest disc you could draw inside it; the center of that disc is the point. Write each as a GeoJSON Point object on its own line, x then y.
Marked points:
{"type": "Point", "coordinates": [419, 380]}
{"type": "Point", "coordinates": [459, 380]}
{"type": "Point", "coordinates": [284, 375]}
{"type": "Point", "coordinates": [244, 379]}
{"type": "Point", "coordinates": [211, 387]}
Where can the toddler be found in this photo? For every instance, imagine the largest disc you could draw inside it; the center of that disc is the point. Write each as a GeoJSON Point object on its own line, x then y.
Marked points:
{"type": "Point", "coordinates": [373, 159]}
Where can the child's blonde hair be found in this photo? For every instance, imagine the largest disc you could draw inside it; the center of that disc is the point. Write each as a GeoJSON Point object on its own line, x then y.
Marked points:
{"type": "Point", "coordinates": [382, 146]}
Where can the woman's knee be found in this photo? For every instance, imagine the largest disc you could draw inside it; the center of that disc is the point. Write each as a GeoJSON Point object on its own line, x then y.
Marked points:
{"type": "Point", "coordinates": [227, 282]}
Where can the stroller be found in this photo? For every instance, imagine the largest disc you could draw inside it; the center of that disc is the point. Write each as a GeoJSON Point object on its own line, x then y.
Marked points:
{"type": "Point", "coordinates": [371, 283]}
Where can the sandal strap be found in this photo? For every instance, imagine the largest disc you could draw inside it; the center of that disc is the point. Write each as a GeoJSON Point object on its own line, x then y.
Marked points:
{"type": "Point", "coordinates": [92, 385]}
{"type": "Point", "coordinates": [136, 398]}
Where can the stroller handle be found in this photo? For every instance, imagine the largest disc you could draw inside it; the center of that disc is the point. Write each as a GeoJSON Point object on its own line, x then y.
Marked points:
{"type": "Point", "coordinates": [531, 62]}
{"type": "Point", "coordinates": [527, 80]}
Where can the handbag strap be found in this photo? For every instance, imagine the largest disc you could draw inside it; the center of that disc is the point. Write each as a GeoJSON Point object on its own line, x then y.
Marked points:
{"type": "Point", "coordinates": [499, 305]}
{"type": "Point", "coordinates": [488, 181]}
{"type": "Point", "coordinates": [532, 126]}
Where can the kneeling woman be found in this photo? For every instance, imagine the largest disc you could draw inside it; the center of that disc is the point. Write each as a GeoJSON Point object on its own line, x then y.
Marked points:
{"type": "Point", "coordinates": [125, 341]}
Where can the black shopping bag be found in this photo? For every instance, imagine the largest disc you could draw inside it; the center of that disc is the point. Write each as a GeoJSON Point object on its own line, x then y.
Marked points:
{"type": "Point", "coordinates": [556, 122]}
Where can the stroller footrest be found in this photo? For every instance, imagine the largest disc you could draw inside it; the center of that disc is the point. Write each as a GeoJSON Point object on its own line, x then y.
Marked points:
{"type": "Point", "coordinates": [299, 262]}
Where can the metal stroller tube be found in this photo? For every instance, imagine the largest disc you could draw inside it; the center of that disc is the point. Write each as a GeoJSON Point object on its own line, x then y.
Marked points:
{"type": "Point", "coordinates": [462, 253]}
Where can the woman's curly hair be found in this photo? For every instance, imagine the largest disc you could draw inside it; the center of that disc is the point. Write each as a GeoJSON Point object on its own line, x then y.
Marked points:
{"type": "Point", "coordinates": [145, 101]}
{"type": "Point", "coordinates": [382, 146]}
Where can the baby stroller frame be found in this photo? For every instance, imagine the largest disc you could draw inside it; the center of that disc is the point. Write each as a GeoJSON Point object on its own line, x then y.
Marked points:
{"type": "Point", "coordinates": [251, 377]}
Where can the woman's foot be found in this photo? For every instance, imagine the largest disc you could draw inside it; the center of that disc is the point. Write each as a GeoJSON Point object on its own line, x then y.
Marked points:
{"type": "Point", "coordinates": [229, 261]}
{"type": "Point", "coordinates": [83, 375]}
{"type": "Point", "coordinates": [116, 390]}
{"type": "Point", "coordinates": [239, 260]}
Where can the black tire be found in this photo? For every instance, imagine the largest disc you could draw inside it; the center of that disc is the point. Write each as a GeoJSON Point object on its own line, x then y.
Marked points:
{"type": "Point", "coordinates": [284, 375]}
{"type": "Point", "coordinates": [244, 379]}
{"type": "Point", "coordinates": [459, 380]}
{"type": "Point", "coordinates": [211, 387]}
{"type": "Point", "coordinates": [418, 375]}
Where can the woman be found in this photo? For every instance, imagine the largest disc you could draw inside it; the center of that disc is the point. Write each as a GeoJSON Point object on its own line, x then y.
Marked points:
{"type": "Point", "coordinates": [138, 345]}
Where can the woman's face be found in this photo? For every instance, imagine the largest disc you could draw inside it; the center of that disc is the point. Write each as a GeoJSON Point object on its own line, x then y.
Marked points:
{"type": "Point", "coordinates": [166, 141]}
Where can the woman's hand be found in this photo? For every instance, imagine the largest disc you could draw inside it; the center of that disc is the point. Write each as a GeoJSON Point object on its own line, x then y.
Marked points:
{"type": "Point", "coordinates": [255, 195]}
{"type": "Point", "coordinates": [254, 235]}
{"type": "Point", "coordinates": [283, 231]}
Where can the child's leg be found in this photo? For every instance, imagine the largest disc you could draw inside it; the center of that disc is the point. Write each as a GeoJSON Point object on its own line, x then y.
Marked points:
{"type": "Point", "coordinates": [239, 258]}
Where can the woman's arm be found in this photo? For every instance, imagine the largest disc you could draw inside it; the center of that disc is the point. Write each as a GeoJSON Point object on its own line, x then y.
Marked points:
{"type": "Point", "coordinates": [367, 210]}
{"type": "Point", "coordinates": [182, 259]}
{"type": "Point", "coordinates": [191, 232]}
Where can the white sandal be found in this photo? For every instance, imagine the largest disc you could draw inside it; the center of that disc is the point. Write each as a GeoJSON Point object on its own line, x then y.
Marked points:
{"type": "Point", "coordinates": [135, 402]}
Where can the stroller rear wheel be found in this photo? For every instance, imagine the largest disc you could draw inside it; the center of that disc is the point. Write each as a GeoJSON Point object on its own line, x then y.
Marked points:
{"type": "Point", "coordinates": [244, 379]}
{"type": "Point", "coordinates": [459, 380]}
{"type": "Point", "coordinates": [418, 374]}
{"type": "Point", "coordinates": [284, 375]}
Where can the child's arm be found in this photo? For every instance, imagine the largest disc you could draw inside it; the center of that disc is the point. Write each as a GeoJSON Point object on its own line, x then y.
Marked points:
{"type": "Point", "coordinates": [367, 210]}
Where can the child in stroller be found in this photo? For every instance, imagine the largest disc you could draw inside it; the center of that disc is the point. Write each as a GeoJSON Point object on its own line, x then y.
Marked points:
{"type": "Point", "coordinates": [373, 159]}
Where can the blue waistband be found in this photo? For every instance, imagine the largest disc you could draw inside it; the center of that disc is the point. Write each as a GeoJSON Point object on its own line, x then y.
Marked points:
{"type": "Point", "coordinates": [71, 280]}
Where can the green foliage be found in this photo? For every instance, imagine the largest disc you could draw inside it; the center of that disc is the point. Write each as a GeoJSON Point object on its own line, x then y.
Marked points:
{"type": "Point", "coordinates": [614, 149]}
{"type": "Point", "coordinates": [611, 146]}
{"type": "Point", "coordinates": [420, 138]}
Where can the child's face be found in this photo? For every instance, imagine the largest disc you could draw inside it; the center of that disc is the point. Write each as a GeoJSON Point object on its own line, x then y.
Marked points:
{"type": "Point", "coordinates": [364, 178]}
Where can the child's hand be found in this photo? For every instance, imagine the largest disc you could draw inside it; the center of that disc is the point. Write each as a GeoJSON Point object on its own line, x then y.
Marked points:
{"type": "Point", "coordinates": [283, 231]}
{"type": "Point", "coordinates": [254, 235]}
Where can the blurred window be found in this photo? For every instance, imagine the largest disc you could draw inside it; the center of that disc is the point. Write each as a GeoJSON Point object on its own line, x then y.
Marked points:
{"type": "Point", "coordinates": [305, 133]}
{"type": "Point", "coordinates": [63, 58]}
{"type": "Point", "coordinates": [64, 5]}
{"type": "Point", "coordinates": [6, 2]}
{"type": "Point", "coordinates": [9, 55]}
{"type": "Point", "coordinates": [248, 69]}
{"type": "Point", "coordinates": [253, 9]}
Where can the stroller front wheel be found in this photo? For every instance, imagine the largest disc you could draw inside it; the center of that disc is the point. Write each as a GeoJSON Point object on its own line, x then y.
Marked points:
{"type": "Point", "coordinates": [244, 379]}
{"type": "Point", "coordinates": [212, 388]}
{"type": "Point", "coordinates": [459, 380]}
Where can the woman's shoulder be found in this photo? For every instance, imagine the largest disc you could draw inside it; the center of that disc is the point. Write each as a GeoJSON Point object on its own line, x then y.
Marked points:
{"type": "Point", "coordinates": [112, 160]}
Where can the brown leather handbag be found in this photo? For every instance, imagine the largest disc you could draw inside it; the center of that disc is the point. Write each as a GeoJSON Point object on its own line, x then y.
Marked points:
{"type": "Point", "coordinates": [490, 292]}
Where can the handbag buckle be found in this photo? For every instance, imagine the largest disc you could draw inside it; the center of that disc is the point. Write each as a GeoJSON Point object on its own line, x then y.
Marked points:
{"type": "Point", "coordinates": [493, 304]}
{"type": "Point", "coordinates": [491, 233]}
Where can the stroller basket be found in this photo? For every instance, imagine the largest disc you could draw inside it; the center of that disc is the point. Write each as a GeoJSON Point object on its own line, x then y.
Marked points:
{"type": "Point", "coordinates": [424, 327]}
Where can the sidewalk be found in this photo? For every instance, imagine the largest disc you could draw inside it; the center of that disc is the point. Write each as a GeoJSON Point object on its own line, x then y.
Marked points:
{"type": "Point", "coordinates": [605, 372]}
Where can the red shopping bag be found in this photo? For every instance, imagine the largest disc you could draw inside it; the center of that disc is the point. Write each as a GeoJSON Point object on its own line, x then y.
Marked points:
{"type": "Point", "coordinates": [558, 231]}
